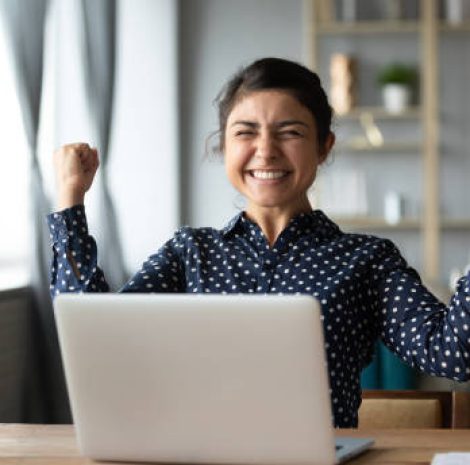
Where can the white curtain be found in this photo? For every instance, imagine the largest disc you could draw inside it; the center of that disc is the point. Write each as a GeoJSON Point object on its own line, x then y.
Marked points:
{"type": "Point", "coordinates": [140, 167]}
{"type": "Point", "coordinates": [45, 397]}
{"type": "Point", "coordinates": [99, 23]}
{"type": "Point", "coordinates": [44, 387]}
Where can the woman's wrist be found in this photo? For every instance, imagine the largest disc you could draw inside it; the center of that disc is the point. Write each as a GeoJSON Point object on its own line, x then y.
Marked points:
{"type": "Point", "coordinates": [70, 199]}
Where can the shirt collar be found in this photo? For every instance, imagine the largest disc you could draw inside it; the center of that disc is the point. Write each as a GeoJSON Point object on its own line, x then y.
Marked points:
{"type": "Point", "coordinates": [315, 220]}
{"type": "Point", "coordinates": [232, 224]}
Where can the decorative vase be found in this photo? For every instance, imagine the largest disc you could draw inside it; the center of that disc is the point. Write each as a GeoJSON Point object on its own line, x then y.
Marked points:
{"type": "Point", "coordinates": [396, 97]}
{"type": "Point", "coordinates": [343, 83]}
{"type": "Point", "coordinates": [454, 11]}
{"type": "Point", "coordinates": [393, 207]}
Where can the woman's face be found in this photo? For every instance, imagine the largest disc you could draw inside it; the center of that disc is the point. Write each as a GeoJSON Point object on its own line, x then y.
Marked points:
{"type": "Point", "coordinates": [271, 150]}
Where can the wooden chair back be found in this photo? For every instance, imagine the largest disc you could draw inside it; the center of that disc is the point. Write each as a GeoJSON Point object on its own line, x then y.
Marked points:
{"type": "Point", "coordinates": [414, 409]}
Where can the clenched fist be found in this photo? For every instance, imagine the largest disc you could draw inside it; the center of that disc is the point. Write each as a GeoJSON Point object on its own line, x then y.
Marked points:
{"type": "Point", "coordinates": [75, 168]}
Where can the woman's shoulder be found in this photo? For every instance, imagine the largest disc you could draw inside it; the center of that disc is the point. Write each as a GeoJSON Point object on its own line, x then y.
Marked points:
{"type": "Point", "coordinates": [352, 238]}
{"type": "Point", "coordinates": [367, 242]}
{"type": "Point", "coordinates": [206, 233]}
{"type": "Point", "coordinates": [197, 236]}
{"type": "Point", "coordinates": [190, 232]}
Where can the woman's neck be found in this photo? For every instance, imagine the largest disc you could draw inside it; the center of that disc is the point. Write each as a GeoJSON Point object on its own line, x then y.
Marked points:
{"type": "Point", "coordinates": [273, 220]}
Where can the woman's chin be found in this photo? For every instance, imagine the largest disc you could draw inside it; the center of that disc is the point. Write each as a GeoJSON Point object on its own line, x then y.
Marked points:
{"type": "Point", "coordinates": [268, 202]}
{"type": "Point", "coordinates": [300, 203]}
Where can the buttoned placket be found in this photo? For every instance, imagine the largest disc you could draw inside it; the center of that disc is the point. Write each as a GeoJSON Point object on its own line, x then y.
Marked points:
{"type": "Point", "coordinates": [266, 257]}
{"type": "Point", "coordinates": [268, 260]}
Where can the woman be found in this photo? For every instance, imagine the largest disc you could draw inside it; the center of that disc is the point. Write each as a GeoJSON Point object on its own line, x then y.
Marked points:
{"type": "Point", "coordinates": [275, 130]}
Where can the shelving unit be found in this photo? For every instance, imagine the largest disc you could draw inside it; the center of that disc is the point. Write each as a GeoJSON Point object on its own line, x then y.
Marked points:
{"type": "Point", "coordinates": [389, 147]}
{"type": "Point", "coordinates": [456, 28]}
{"type": "Point", "coordinates": [379, 113]}
{"type": "Point", "coordinates": [369, 27]}
{"type": "Point", "coordinates": [424, 31]}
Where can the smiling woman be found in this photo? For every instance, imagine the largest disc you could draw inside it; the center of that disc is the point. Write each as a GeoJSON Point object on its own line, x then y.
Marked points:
{"type": "Point", "coordinates": [274, 128]}
{"type": "Point", "coordinates": [271, 157]}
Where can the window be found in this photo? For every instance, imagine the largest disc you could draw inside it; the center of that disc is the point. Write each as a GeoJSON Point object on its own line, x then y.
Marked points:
{"type": "Point", "coordinates": [14, 180]}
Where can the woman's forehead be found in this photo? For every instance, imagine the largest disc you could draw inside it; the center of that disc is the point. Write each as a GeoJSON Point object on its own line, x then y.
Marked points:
{"type": "Point", "coordinates": [270, 105]}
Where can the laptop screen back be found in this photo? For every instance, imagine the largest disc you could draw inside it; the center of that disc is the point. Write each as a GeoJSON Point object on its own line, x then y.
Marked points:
{"type": "Point", "coordinates": [191, 378]}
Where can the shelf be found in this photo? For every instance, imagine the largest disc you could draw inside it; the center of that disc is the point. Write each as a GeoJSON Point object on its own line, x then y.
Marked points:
{"type": "Point", "coordinates": [385, 27]}
{"type": "Point", "coordinates": [366, 222]}
{"type": "Point", "coordinates": [368, 27]}
{"type": "Point", "coordinates": [380, 113]}
{"type": "Point", "coordinates": [456, 223]}
{"type": "Point", "coordinates": [389, 147]}
{"type": "Point", "coordinates": [464, 26]}
{"type": "Point", "coordinates": [424, 32]}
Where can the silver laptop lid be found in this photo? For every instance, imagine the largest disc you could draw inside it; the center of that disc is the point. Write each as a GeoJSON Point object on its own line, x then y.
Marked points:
{"type": "Point", "coordinates": [191, 378]}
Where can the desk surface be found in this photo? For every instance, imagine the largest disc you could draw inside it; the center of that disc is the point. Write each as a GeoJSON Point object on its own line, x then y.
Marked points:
{"type": "Point", "coordinates": [55, 444]}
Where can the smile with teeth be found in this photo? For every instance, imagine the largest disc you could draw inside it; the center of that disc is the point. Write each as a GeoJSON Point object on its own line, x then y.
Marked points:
{"type": "Point", "coordinates": [271, 174]}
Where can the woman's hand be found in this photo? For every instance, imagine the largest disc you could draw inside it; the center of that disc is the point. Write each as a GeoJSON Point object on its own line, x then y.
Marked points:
{"type": "Point", "coordinates": [75, 168]}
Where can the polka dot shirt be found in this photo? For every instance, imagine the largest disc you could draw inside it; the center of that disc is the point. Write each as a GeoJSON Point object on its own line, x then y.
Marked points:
{"type": "Point", "coordinates": [365, 287]}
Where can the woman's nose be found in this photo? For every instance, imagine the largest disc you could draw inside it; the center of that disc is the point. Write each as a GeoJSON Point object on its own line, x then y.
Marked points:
{"type": "Point", "coordinates": [266, 147]}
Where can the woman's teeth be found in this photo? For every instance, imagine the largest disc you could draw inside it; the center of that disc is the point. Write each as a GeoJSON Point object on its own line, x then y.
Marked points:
{"type": "Point", "coordinates": [268, 174]}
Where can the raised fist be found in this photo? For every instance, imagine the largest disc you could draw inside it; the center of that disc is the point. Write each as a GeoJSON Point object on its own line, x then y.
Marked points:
{"type": "Point", "coordinates": [75, 168]}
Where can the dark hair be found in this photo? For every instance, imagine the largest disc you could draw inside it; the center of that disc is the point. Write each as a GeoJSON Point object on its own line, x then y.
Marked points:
{"type": "Point", "coordinates": [277, 73]}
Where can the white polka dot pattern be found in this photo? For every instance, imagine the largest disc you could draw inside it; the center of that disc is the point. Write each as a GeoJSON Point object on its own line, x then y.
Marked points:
{"type": "Point", "coordinates": [365, 288]}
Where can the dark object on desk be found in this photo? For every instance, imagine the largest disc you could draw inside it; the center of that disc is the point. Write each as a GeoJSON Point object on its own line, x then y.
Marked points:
{"type": "Point", "coordinates": [414, 409]}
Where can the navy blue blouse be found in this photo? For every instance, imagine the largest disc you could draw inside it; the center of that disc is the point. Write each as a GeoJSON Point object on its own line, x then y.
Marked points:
{"type": "Point", "coordinates": [365, 287]}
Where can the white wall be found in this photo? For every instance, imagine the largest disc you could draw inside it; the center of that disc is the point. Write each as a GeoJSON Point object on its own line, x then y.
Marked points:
{"type": "Point", "coordinates": [144, 149]}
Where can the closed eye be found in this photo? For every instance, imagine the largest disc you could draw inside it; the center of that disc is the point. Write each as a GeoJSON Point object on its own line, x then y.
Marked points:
{"type": "Point", "coordinates": [244, 133]}
{"type": "Point", "coordinates": [290, 133]}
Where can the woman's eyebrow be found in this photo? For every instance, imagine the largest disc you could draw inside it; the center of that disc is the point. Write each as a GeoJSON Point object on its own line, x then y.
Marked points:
{"type": "Point", "coordinates": [280, 124]}
{"type": "Point", "coordinates": [291, 122]}
{"type": "Point", "coordinates": [246, 123]}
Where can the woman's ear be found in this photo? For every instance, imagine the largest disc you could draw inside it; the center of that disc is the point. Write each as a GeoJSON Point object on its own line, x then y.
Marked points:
{"type": "Point", "coordinates": [327, 146]}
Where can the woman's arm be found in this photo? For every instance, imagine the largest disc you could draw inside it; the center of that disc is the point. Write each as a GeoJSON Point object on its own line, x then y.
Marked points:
{"type": "Point", "coordinates": [73, 267]}
{"type": "Point", "coordinates": [423, 331]}
{"type": "Point", "coordinates": [74, 262]}
{"type": "Point", "coordinates": [163, 271]}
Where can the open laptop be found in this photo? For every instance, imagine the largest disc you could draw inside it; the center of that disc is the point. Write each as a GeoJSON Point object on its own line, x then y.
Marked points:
{"type": "Point", "coordinates": [237, 379]}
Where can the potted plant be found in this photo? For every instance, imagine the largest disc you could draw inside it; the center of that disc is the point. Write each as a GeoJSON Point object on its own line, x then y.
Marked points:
{"type": "Point", "coordinates": [397, 81]}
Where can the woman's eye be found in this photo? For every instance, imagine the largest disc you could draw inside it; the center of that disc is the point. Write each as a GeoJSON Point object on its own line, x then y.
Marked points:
{"type": "Point", "coordinates": [290, 133]}
{"type": "Point", "coordinates": [244, 133]}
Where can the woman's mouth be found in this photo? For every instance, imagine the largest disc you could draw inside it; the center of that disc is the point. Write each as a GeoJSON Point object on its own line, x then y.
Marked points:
{"type": "Point", "coordinates": [268, 174]}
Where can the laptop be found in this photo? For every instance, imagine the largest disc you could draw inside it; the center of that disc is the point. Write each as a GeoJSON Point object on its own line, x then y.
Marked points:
{"type": "Point", "coordinates": [226, 379]}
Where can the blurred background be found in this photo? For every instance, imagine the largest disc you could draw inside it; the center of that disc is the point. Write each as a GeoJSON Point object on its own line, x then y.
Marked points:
{"type": "Point", "coordinates": [137, 79]}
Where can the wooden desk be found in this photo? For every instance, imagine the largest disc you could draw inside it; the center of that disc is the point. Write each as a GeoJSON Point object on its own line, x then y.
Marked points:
{"type": "Point", "coordinates": [54, 445]}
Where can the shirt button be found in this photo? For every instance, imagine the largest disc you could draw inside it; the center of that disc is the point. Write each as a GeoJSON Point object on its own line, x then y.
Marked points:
{"type": "Point", "coordinates": [267, 264]}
